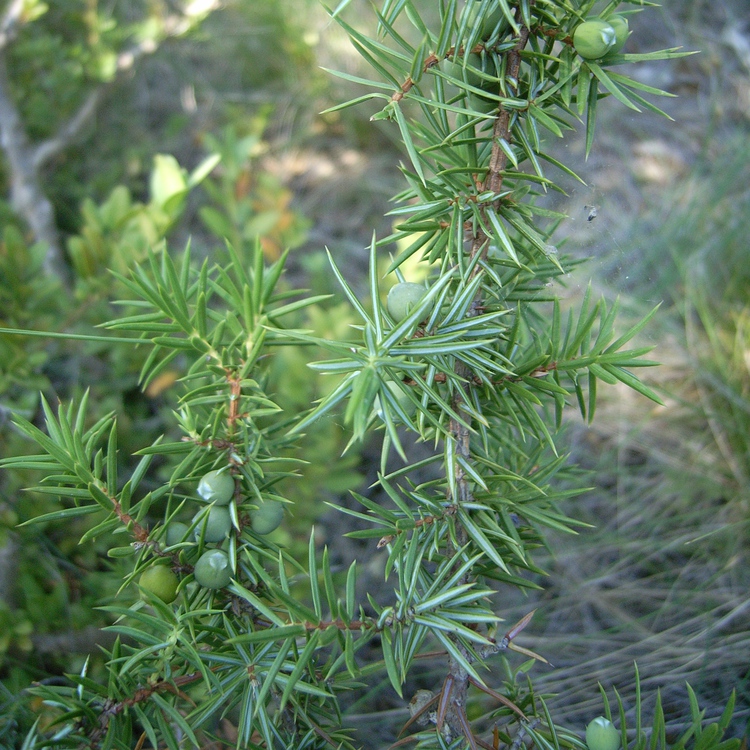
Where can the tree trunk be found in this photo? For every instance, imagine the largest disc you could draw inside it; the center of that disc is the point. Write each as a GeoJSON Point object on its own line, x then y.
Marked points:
{"type": "Point", "coordinates": [26, 195]}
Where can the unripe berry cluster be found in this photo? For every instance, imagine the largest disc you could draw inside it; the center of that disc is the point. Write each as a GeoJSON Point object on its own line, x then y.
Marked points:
{"type": "Point", "coordinates": [596, 38]}
{"type": "Point", "coordinates": [211, 525]}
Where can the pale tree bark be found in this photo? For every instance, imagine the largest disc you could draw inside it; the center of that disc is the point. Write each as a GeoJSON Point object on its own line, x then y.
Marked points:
{"type": "Point", "coordinates": [27, 198]}
{"type": "Point", "coordinates": [26, 160]}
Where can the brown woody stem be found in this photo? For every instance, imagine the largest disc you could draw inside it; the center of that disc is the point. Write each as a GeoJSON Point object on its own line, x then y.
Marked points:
{"type": "Point", "coordinates": [458, 678]}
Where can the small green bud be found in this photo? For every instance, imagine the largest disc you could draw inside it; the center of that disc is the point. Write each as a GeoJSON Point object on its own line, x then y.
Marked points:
{"type": "Point", "coordinates": [200, 344]}
{"type": "Point", "coordinates": [602, 735]}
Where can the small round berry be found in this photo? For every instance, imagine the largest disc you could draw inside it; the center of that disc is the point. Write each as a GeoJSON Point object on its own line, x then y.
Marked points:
{"type": "Point", "coordinates": [213, 570]}
{"type": "Point", "coordinates": [593, 39]}
{"type": "Point", "coordinates": [467, 73]}
{"type": "Point", "coordinates": [602, 735]}
{"type": "Point", "coordinates": [267, 517]}
{"type": "Point", "coordinates": [494, 20]}
{"type": "Point", "coordinates": [217, 523]}
{"type": "Point", "coordinates": [217, 487]}
{"type": "Point", "coordinates": [399, 394]}
{"type": "Point", "coordinates": [403, 298]}
{"type": "Point", "coordinates": [161, 582]}
{"type": "Point", "coordinates": [622, 30]}
{"type": "Point", "coordinates": [176, 532]}
{"type": "Point", "coordinates": [482, 104]}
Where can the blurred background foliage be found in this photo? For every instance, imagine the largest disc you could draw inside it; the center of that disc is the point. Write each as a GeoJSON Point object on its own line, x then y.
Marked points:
{"type": "Point", "coordinates": [664, 574]}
